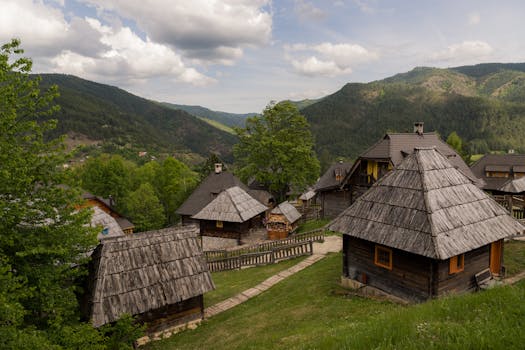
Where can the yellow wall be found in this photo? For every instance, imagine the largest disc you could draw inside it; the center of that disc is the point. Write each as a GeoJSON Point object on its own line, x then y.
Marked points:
{"type": "Point", "coordinates": [371, 169]}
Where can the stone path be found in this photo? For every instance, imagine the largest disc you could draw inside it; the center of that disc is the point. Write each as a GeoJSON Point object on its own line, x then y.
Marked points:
{"type": "Point", "coordinates": [331, 244]}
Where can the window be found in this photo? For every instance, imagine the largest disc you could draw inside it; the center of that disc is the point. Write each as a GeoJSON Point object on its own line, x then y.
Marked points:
{"type": "Point", "coordinates": [383, 257]}
{"type": "Point", "coordinates": [218, 224]}
{"type": "Point", "coordinates": [457, 264]}
{"type": "Point", "coordinates": [105, 231]}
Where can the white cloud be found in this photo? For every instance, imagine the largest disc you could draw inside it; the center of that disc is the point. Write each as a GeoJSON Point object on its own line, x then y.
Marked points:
{"type": "Point", "coordinates": [474, 18]}
{"type": "Point", "coordinates": [307, 11]}
{"type": "Point", "coordinates": [211, 31]}
{"type": "Point", "coordinates": [335, 59]}
{"type": "Point", "coordinates": [366, 6]}
{"type": "Point", "coordinates": [129, 58]}
{"type": "Point", "coordinates": [464, 52]}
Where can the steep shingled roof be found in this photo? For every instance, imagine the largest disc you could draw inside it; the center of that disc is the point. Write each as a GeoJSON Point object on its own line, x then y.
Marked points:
{"type": "Point", "coordinates": [427, 207]}
{"type": "Point", "coordinates": [288, 210]}
{"type": "Point", "coordinates": [328, 180]}
{"type": "Point", "coordinates": [495, 162]}
{"type": "Point", "coordinates": [231, 205]}
{"type": "Point", "coordinates": [396, 146]}
{"type": "Point", "coordinates": [146, 271]}
{"type": "Point", "coordinates": [211, 186]}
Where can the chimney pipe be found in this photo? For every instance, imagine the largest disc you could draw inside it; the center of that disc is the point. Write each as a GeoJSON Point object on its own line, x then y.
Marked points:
{"type": "Point", "coordinates": [218, 168]}
{"type": "Point", "coordinates": [418, 128]}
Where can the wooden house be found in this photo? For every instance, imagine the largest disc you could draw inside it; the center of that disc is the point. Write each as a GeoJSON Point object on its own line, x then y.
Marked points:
{"type": "Point", "coordinates": [283, 220]}
{"type": "Point", "coordinates": [423, 230]}
{"type": "Point", "coordinates": [332, 197]}
{"type": "Point", "coordinates": [382, 157]}
{"type": "Point", "coordinates": [231, 214]}
{"type": "Point", "coordinates": [502, 175]}
{"type": "Point", "coordinates": [158, 276]}
{"type": "Point", "coordinates": [107, 205]}
{"type": "Point", "coordinates": [210, 188]}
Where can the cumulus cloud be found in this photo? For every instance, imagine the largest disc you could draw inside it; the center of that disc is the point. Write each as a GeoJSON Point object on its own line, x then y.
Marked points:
{"type": "Point", "coordinates": [129, 58]}
{"type": "Point", "coordinates": [307, 11]}
{"type": "Point", "coordinates": [463, 52]}
{"type": "Point", "coordinates": [87, 48]}
{"type": "Point", "coordinates": [212, 31]}
{"type": "Point", "coordinates": [327, 59]}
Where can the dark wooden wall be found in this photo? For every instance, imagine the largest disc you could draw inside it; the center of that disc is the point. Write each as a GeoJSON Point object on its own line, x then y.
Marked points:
{"type": "Point", "coordinates": [334, 202]}
{"type": "Point", "coordinates": [475, 261]}
{"type": "Point", "coordinates": [408, 279]}
{"type": "Point", "coordinates": [412, 277]}
{"type": "Point", "coordinates": [233, 230]}
{"type": "Point", "coordinates": [173, 315]}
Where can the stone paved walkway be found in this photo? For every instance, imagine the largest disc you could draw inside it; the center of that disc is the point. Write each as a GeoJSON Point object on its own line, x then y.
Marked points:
{"type": "Point", "coordinates": [330, 245]}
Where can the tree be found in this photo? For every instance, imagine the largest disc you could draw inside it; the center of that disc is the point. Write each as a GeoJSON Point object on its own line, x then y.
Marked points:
{"type": "Point", "coordinates": [208, 166]}
{"type": "Point", "coordinates": [145, 208]}
{"type": "Point", "coordinates": [44, 239]}
{"type": "Point", "coordinates": [277, 150]}
{"type": "Point", "coordinates": [456, 143]}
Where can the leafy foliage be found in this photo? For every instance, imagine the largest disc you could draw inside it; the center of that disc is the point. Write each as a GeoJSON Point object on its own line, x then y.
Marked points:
{"type": "Point", "coordinates": [145, 208]}
{"type": "Point", "coordinates": [277, 149]}
{"type": "Point", "coordinates": [44, 239]}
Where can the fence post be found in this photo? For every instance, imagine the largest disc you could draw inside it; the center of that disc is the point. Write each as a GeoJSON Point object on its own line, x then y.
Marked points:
{"type": "Point", "coordinates": [311, 247]}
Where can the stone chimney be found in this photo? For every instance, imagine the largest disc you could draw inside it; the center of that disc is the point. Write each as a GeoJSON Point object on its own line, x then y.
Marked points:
{"type": "Point", "coordinates": [218, 168]}
{"type": "Point", "coordinates": [418, 128]}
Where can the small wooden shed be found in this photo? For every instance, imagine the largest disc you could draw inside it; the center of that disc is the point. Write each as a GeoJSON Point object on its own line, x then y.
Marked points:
{"type": "Point", "coordinates": [158, 276]}
{"type": "Point", "coordinates": [231, 214]}
{"type": "Point", "coordinates": [423, 230]}
{"type": "Point", "coordinates": [282, 220]}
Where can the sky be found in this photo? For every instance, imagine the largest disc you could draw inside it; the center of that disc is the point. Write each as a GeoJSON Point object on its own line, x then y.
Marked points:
{"type": "Point", "coordinates": [238, 55]}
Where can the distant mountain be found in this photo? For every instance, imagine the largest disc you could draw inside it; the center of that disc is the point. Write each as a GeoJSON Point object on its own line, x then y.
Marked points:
{"type": "Point", "coordinates": [120, 120]}
{"type": "Point", "coordinates": [484, 104]}
{"type": "Point", "coordinates": [229, 119]}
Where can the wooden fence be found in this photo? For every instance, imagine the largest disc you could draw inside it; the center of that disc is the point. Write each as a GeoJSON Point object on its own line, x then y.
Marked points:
{"type": "Point", "coordinates": [314, 235]}
{"type": "Point", "coordinates": [261, 258]}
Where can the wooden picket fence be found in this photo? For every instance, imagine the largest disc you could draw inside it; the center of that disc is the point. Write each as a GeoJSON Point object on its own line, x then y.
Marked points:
{"type": "Point", "coordinates": [264, 253]}
{"type": "Point", "coordinates": [262, 258]}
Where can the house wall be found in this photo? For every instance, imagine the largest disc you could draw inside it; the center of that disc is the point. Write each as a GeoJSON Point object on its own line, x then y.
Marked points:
{"type": "Point", "coordinates": [228, 230]}
{"type": "Point", "coordinates": [334, 202]}
{"type": "Point", "coordinates": [410, 277]}
{"type": "Point", "coordinates": [173, 315]}
{"type": "Point", "coordinates": [474, 261]}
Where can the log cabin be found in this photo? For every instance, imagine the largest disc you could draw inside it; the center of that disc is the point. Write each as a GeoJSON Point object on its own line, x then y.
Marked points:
{"type": "Point", "coordinates": [158, 276]}
{"type": "Point", "coordinates": [231, 215]}
{"type": "Point", "coordinates": [423, 230]}
{"type": "Point", "coordinates": [332, 198]}
{"type": "Point", "coordinates": [209, 189]}
{"type": "Point", "coordinates": [379, 159]}
{"type": "Point", "coordinates": [283, 220]}
{"type": "Point", "coordinates": [497, 170]}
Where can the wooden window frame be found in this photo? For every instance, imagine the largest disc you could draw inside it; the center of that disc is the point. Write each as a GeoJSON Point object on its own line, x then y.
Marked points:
{"type": "Point", "coordinates": [219, 224]}
{"type": "Point", "coordinates": [379, 248]}
{"type": "Point", "coordinates": [454, 267]}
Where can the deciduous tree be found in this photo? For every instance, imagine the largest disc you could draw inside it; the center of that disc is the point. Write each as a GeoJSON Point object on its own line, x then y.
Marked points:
{"type": "Point", "coordinates": [277, 150]}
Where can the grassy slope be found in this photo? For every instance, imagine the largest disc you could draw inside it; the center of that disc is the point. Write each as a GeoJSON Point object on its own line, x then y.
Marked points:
{"type": "Point", "coordinates": [309, 311]}
{"type": "Point", "coordinates": [218, 125]}
{"type": "Point", "coordinates": [230, 283]}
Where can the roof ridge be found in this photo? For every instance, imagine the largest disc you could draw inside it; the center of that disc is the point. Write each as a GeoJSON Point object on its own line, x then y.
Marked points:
{"type": "Point", "coordinates": [433, 234]}
{"type": "Point", "coordinates": [233, 202]}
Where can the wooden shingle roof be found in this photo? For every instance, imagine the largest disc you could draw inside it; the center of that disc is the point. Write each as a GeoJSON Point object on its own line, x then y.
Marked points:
{"type": "Point", "coordinates": [145, 271]}
{"type": "Point", "coordinates": [498, 163]}
{"type": "Point", "coordinates": [288, 210]}
{"type": "Point", "coordinates": [208, 190]}
{"type": "Point", "coordinates": [110, 226]}
{"type": "Point", "coordinates": [427, 207]}
{"type": "Point", "coordinates": [329, 180]}
{"type": "Point", "coordinates": [231, 205]}
{"type": "Point", "coordinates": [396, 146]}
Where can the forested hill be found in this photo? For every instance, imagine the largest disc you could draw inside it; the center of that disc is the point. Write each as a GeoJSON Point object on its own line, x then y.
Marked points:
{"type": "Point", "coordinates": [122, 120]}
{"type": "Point", "coordinates": [484, 104]}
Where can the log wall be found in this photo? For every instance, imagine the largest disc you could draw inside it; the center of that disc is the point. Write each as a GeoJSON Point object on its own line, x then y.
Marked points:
{"type": "Point", "coordinates": [334, 202]}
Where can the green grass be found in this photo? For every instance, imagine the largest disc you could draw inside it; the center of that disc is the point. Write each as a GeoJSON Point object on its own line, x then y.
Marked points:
{"type": "Point", "coordinates": [310, 311]}
{"type": "Point", "coordinates": [312, 225]}
{"type": "Point", "coordinates": [230, 283]}
{"type": "Point", "coordinates": [218, 125]}
{"type": "Point", "coordinates": [514, 259]}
